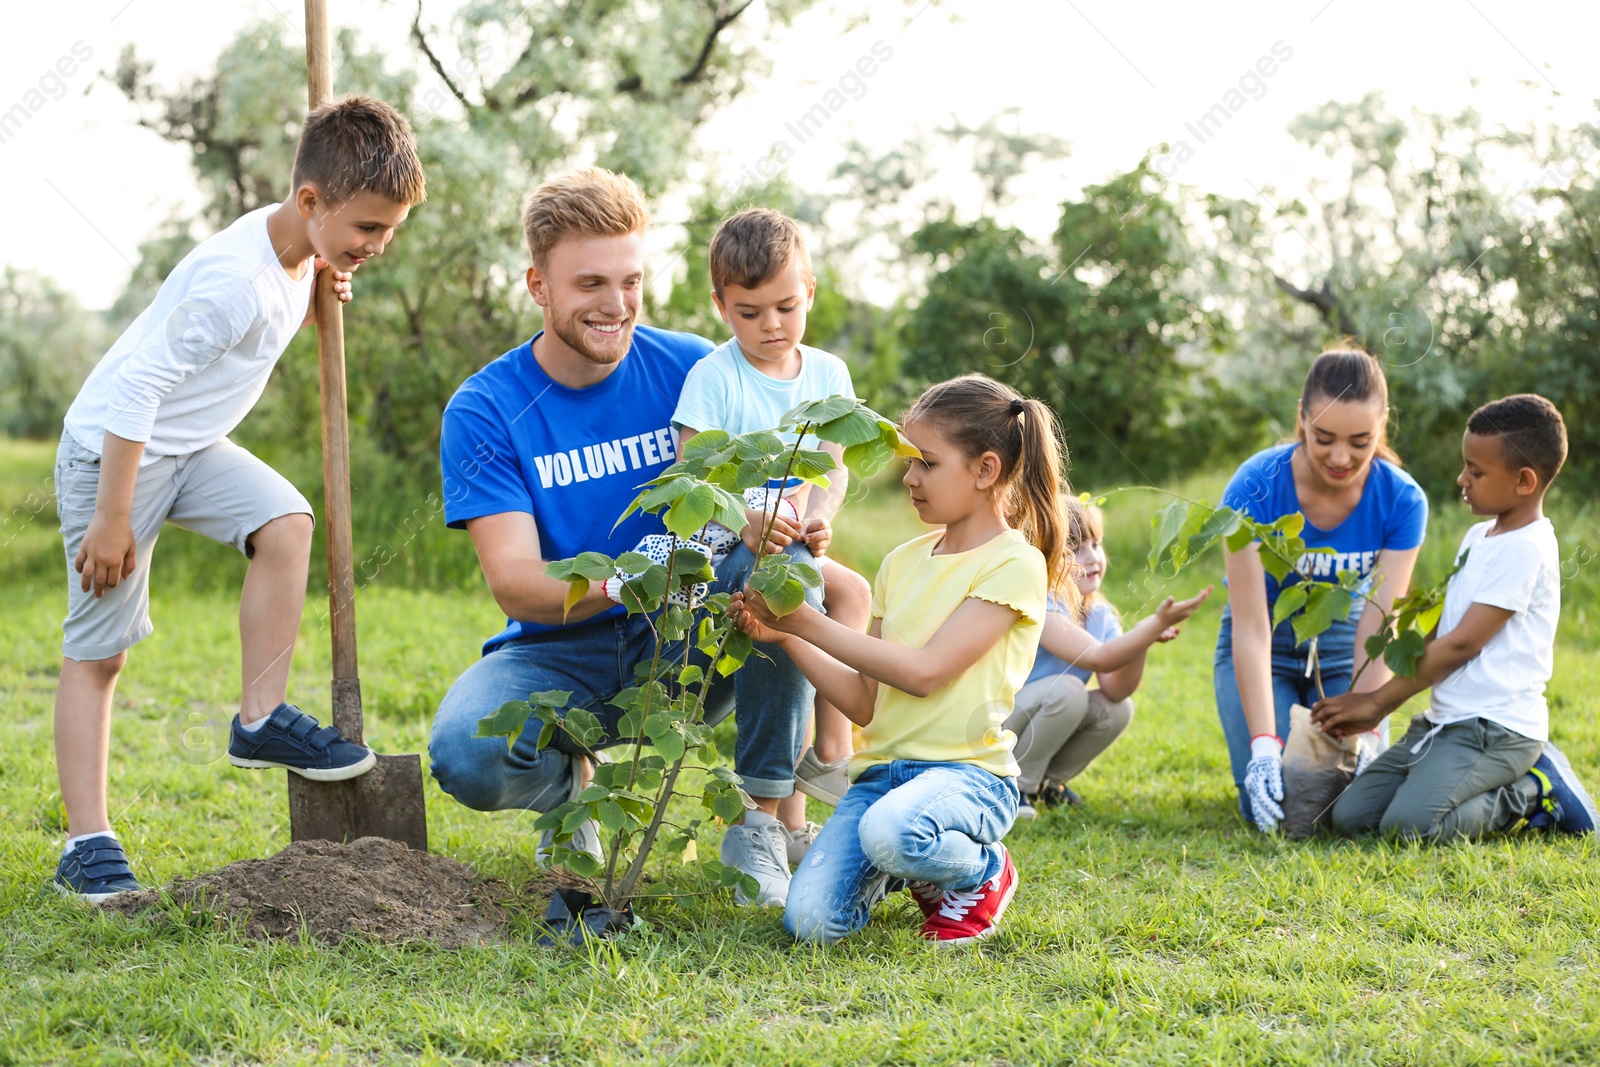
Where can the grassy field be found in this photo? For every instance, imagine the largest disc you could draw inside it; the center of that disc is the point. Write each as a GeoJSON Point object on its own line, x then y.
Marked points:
{"type": "Point", "coordinates": [1151, 927]}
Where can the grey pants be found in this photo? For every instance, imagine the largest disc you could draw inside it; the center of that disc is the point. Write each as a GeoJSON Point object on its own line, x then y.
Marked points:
{"type": "Point", "coordinates": [1468, 780]}
{"type": "Point", "coordinates": [1061, 726]}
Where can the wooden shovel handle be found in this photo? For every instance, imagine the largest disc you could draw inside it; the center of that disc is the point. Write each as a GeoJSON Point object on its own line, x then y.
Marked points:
{"type": "Point", "coordinates": [335, 431]}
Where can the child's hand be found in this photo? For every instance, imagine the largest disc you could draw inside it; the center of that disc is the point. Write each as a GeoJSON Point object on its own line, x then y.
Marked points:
{"type": "Point", "coordinates": [751, 614]}
{"type": "Point", "coordinates": [1169, 634]}
{"type": "Point", "coordinates": [108, 553]}
{"type": "Point", "coordinates": [784, 532]}
{"type": "Point", "coordinates": [1347, 714]}
{"type": "Point", "coordinates": [341, 286]}
{"type": "Point", "coordinates": [818, 536]}
{"type": "Point", "coordinates": [1171, 612]}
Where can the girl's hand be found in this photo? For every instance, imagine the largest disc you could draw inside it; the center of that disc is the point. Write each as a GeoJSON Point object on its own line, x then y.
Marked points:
{"type": "Point", "coordinates": [341, 288]}
{"type": "Point", "coordinates": [751, 614]}
{"type": "Point", "coordinates": [818, 536]}
{"type": "Point", "coordinates": [1169, 634]}
{"type": "Point", "coordinates": [784, 532]}
{"type": "Point", "coordinates": [1171, 612]}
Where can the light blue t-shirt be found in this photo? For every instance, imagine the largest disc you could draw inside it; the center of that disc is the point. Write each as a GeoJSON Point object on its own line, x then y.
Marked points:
{"type": "Point", "coordinates": [724, 392]}
{"type": "Point", "coordinates": [513, 439]}
{"type": "Point", "coordinates": [1392, 513]}
{"type": "Point", "coordinates": [1102, 624]}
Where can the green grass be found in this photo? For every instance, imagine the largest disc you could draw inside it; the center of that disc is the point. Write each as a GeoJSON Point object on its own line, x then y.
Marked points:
{"type": "Point", "coordinates": [1152, 927]}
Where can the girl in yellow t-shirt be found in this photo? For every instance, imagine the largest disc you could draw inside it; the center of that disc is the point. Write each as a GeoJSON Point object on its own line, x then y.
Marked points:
{"type": "Point", "coordinates": [956, 615]}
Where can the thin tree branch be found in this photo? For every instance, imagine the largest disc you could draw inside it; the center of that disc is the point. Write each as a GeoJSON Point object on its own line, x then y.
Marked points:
{"type": "Point", "coordinates": [433, 60]}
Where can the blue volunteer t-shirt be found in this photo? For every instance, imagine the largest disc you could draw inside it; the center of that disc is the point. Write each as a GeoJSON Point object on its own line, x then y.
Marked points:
{"type": "Point", "coordinates": [1393, 513]}
{"type": "Point", "coordinates": [1102, 624]}
{"type": "Point", "coordinates": [515, 440]}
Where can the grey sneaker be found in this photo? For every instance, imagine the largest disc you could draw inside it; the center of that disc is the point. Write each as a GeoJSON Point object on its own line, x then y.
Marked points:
{"type": "Point", "coordinates": [800, 842]}
{"type": "Point", "coordinates": [587, 837]}
{"type": "Point", "coordinates": [761, 851]}
{"type": "Point", "coordinates": [1026, 812]}
{"type": "Point", "coordinates": [826, 782]}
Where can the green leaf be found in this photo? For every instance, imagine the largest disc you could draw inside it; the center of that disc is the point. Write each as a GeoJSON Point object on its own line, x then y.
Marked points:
{"type": "Point", "coordinates": [1274, 563]}
{"type": "Point", "coordinates": [550, 698]}
{"type": "Point", "coordinates": [580, 863]}
{"type": "Point", "coordinates": [890, 434]}
{"type": "Point", "coordinates": [594, 566]}
{"type": "Point", "coordinates": [507, 721]}
{"type": "Point", "coordinates": [690, 675]}
{"type": "Point", "coordinates": [735, 652]}
{"type": "Point", "coordinates": [869, 457]}
{"type": "Point", "coordinates": [1204, 528]}
{"type": "Point", "coordinates": [1324, 604]}
{"type": "Point", "coordinates": [1403, 652]}
{"type": "Point", "coordinates": [855, 428]}
{"type": "Point", "coordinates": [1290, 524]}
{"type": "Point", "coordinates": [665, 491]}
{"type": "Point", "coordinates": [807, 574]}
{"type": "Point", "coordinates": [584, 727]}
{"type": "Point", "coordinates": [560, 569]}
{"type": "Point", "coordinates": [813, 466]}
{"type": "Point", "coordinates": [759, 445]}
{"type": "Point", "coordinates": [692, 510]}
{"type": "Point", "coordinates": [1241, 537]}
{"type": "Point", "coordinates": [671, 745]}
{"type": "Point", "coordinates": [611, 816]}
{"type": "Point", "coordinates": [782, 593]}
{"type": "Point", "coordinates": [728, 806]}
{"type": "Point", "coordinates": [1428, 618]}
{"type": "Point", "coordinates": [825, 410]}
{"type": "Point", "coordinates": [633, 563]}
{"type": "Point", "coordinates": [1290, 600]}
{"type": "Point", "coordinates": [706, 442]}
{"type": "Point", "coordinates": [728, 509]}
{"type": "Point", "coordinates": [1164, 527]}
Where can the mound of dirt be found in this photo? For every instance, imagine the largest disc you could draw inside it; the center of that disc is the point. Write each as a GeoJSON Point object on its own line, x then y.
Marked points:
{"type": "Point", "coordinates": [370, 887]}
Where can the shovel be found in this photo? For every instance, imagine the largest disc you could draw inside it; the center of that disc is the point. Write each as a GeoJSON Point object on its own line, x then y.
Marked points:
{"type": "Point", "coordinates": [387, 800]}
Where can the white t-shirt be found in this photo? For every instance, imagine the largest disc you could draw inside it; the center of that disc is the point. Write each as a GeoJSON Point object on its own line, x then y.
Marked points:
{"type": "Point", "coordinates": [1519, 570]}
{"type": "Point", "coordinates": [724, 392]}
{"type": "Point", "coordinates": [196, 361]}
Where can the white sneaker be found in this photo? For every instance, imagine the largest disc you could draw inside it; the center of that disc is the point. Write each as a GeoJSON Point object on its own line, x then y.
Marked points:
{"type": "Point", "coordinates": [800, 842]}
{"type": "Point", "coordinates": [1026, 811]}
{"type": "Point", "coordinates": [826, 782]}
{"type": "Point", "coordinates": [587, 836]}
{"type": "Point", "coordinates": [760, 848]}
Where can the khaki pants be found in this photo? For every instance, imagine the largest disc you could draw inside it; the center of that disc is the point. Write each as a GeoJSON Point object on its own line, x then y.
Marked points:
{"type": "Point", "coordinates": [1061, 726]}
{"type": "Point", "coordinates": [1467, 780]}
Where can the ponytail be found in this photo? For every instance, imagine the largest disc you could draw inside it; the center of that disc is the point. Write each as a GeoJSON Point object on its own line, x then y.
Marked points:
{"type": "Point", "coordinates": [978, 414]}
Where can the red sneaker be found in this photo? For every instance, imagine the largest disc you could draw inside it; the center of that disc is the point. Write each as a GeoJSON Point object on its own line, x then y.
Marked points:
{"type": "Point", "coordinates": [927, 895]}
{"type": "Point", "coordinates": [965, 915]}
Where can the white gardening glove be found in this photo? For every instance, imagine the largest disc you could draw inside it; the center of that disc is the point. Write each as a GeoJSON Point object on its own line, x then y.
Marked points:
{"type": "Point", "coordinates": [1263, 781]}
{"type": "Point", "coordinates": [659, 548]}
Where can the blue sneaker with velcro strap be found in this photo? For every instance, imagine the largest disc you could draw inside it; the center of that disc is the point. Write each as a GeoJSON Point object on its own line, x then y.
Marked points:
{"type": "Point", "coordinates": [1564, 803]}
{"type": "Point", "coordinates": [94, 870]}
{"type": "Point", "coordinates": [296, 742]}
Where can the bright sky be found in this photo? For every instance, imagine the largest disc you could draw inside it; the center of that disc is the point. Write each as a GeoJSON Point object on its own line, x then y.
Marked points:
{"type": "Point", "coordinates": [83, 184]}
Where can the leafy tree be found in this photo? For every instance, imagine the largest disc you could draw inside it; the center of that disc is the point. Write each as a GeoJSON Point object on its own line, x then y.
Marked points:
{"type": "Point", "coordinates": [1097, 324]}
{"type": "Point", "coordinates": [48, 344]}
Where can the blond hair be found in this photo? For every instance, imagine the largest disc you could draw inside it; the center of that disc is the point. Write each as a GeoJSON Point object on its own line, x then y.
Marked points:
{"type": "Point", "coordinates": [589, 202]}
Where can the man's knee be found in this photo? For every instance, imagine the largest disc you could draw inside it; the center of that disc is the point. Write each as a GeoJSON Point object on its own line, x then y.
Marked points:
{"type": "Point", "coordinates": [288, 537]}
{"type": "Point", "coordinates": [1408, 825]}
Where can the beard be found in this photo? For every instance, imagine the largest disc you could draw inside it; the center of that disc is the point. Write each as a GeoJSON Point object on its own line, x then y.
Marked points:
{"type": "Point", "coordinates": [570, 328]}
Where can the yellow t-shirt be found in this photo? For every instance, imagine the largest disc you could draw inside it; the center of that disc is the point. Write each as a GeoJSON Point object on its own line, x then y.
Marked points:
{"type": "Point", "coordinates": [915, 592]}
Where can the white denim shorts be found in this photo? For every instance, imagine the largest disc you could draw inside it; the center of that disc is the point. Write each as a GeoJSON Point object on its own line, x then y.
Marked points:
{"type": "Point", "coordinates": [221, 491]}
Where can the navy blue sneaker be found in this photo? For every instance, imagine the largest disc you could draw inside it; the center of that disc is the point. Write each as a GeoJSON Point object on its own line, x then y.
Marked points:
{"type": "Point", "coordinates": [1564, 802]}
{"type": "Point", "coordinates": [95, 869]}
{"type": "Point", "coordinates": [295, 741]}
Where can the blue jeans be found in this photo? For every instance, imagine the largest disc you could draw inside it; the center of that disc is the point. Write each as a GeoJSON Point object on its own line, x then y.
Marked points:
{"type": "Point", "coordinates": [924, 822]}
{"type": "Point", "coordinates": [1290, 685]}
{"type": "Point", "coordinates": [595, 661]}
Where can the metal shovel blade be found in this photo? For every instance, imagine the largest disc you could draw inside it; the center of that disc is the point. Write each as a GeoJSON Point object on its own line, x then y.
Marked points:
{"type": "Point", "coordinates": [385, 802]}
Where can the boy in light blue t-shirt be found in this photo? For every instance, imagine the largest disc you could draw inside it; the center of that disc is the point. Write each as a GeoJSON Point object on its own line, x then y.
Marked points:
{"type": "Point", "coordinates": [763, 286]}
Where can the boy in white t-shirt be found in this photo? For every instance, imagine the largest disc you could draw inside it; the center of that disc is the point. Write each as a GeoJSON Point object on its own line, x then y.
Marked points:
{"type": "Point", "coordinates": [1479, 761]}
{"type": "Point", "coordinates": [146, 443]}
{"type": "Point", "coordinates": [762, 286]}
